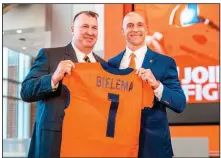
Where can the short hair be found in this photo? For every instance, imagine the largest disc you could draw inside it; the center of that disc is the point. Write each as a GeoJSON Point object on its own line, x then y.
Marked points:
{"type": "Point", "coordinates": [142, 13]}
{"type": "Point", "coordinates": [88, 13]}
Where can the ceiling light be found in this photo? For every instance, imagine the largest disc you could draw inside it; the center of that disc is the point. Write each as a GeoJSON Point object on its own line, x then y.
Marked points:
{"type": "Point", "coordinates": [19, 31]}
{"type": "Point", "coordinates": [24, 48]}
{"type": "Point", "coordinates": [22, 39]}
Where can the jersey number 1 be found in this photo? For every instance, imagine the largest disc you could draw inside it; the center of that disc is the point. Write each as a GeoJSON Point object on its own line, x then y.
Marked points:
{"type": "Point", "coordinates": [114, 98]}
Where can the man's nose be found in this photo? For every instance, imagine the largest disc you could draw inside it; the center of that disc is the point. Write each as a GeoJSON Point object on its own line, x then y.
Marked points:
{"type": "Point", "coordinates": [135, 28]}
{"type": "Point", "coordinates": [90, 31]}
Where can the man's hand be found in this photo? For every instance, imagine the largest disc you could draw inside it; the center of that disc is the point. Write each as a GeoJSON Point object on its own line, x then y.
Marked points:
{"type": "Point", "coordinates": [64, 67]}
{"type": "Point", "coordinates": [147, 76]}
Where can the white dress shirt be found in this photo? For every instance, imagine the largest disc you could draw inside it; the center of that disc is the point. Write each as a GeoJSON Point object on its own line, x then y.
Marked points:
{"type": "Point", "coordinates": [140, 54]}
{"type": "Point", "coordinates": [80, 57]}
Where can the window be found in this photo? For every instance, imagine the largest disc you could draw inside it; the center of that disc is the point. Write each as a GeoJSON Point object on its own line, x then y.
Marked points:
{"type": "Point", "coordinates": [16, 113]}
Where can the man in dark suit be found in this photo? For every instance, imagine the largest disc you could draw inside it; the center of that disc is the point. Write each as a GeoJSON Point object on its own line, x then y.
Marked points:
{"type": "Point", "coordinates": [43, 84]}
{"type": "Point", "coordinates": [161, 73]}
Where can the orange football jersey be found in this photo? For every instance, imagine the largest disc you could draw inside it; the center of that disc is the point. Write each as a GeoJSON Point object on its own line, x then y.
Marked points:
{"type": "Point", "coordinates": [103, 115]}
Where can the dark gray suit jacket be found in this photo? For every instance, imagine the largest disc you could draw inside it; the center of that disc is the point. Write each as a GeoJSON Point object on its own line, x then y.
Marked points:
{"type": "Point", "coordinates": [47, 133]}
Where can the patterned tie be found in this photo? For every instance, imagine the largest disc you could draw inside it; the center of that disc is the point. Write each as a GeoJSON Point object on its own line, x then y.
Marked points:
{"type": "Point", "coordinates": [86, 59]}
{"type": "Point", "coordinates": [132, 61]}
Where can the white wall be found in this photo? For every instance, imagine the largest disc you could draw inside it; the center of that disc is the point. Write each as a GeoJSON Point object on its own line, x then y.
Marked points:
{"type": "Point", "coordinates": [61, 24]}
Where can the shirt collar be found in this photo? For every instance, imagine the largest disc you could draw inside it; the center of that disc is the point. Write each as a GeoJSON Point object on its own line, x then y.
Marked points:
{"type": "Point", "coordinates": [80, 55]}
{"type": "Point", "coordinates": [139, 52]}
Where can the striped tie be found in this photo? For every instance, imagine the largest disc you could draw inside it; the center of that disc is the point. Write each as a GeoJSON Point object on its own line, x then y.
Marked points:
{"type": "Point", "coordinates": [86, 59]}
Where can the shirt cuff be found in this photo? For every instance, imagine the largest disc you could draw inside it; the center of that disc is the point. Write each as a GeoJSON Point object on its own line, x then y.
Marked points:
{"type": "Point", "coordinates": [54, 87]}
{"type": "Point", "coordinates": [159, 91]}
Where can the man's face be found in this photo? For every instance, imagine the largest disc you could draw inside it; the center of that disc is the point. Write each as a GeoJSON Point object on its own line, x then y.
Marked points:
{"type": "Point", "coordinates": [134, 29]}
{"type": "Point", "coordinates": [85, 31]}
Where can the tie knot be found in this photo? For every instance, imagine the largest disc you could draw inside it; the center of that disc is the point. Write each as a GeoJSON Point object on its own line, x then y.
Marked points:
{"type": "Point", "coordinates": [86, 59]}
{"type": "Point", "coordinates": [132, 55]}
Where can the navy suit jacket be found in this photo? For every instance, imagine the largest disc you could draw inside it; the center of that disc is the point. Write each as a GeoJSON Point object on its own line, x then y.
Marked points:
{"type": "Point", "coordinates": [155, 140]}
{"type": "Point", "coordinates": [47, 132]}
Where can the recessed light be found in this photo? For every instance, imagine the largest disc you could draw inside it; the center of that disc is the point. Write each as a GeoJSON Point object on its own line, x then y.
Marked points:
{"type": "Point", "coordinates": [23, 48]}
{"type": "Point", "coordinates": [19, 31]}
{"type": "Point", "coordinates": [22, 39]}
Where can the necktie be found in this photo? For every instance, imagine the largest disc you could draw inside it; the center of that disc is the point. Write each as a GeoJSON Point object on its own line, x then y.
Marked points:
{"type": "Point", "coordinates": [132, 61]}
{"type": "Point", "coordinates": [86, 59]}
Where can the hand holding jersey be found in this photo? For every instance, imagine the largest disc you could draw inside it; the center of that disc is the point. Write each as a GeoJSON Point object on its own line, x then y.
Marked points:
{"type": "Point", "coordinates": [147, 76]}
{"type": "Point", "coordinates": [63, 68]}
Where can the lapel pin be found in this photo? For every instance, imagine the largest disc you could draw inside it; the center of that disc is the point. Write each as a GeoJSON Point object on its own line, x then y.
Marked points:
{"type": "Point", "coordinates": [151, 61]}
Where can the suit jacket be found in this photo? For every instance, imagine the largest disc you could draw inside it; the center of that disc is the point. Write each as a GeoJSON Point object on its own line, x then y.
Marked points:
{"type": "Point", "coordinates": [47, 133]}
{"type": "Point", "coordinates": [155, 140]}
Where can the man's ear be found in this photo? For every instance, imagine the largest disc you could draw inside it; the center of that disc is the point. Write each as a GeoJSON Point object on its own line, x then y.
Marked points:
{"type": "Point", "coordinates": [122, 31]}
{"type": "Point", "coordinates": [147, 32]}
{"type": "Point", "coordinates": [72, 30]}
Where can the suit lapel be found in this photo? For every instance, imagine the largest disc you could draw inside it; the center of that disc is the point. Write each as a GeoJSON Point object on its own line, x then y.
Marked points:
{"type": "Point", "coordinates": [97, 58]}
{"type": "Point", "coordinates": [70, 53]}
{"type": "Point", "coordinates": [148, 59]}
{"type": "Point", "coordinates": [115, 61]}
{"type": "Point", "coordinates": [119, 58]}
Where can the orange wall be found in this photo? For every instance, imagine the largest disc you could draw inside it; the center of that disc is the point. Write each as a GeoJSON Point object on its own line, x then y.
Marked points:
{"type": "Point", "coordinates": [115, 42]}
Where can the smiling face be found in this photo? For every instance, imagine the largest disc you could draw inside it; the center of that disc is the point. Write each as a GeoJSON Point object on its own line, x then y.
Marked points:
{"type": "Point", "coordinates": [134, 29]}
{"type": "Point", "coordinates": [85, 32]}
